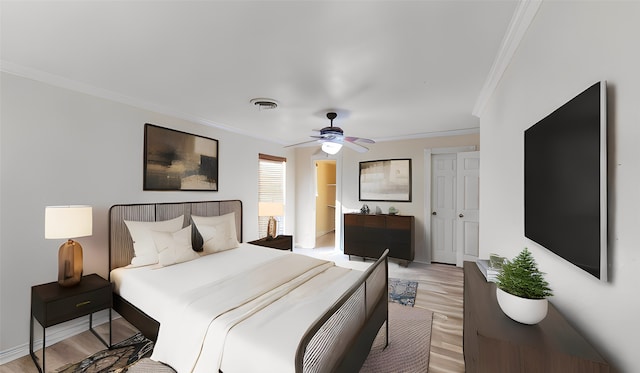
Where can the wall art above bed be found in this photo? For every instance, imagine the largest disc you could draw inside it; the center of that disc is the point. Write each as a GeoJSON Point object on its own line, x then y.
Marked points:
{"type": "Point", "coordinates": [176, 160]}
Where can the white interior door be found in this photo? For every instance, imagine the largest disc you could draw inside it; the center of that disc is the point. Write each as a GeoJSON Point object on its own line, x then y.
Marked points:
{"type": "Point", "coordinates": [468, 202]}
{"type": "Point", "coordinates": [443, 208]}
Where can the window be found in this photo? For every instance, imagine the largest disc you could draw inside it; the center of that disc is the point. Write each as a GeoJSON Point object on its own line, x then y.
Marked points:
{"type": "Point", "coordinates": [271, 188]}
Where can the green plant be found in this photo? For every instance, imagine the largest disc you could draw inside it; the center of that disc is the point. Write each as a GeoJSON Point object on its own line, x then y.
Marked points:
{"type": "Point", "coordinates": [521, 277]}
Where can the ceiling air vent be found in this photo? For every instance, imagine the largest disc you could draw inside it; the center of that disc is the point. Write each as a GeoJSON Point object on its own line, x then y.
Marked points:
{"type": "Point", "coordinates": [265, 103]}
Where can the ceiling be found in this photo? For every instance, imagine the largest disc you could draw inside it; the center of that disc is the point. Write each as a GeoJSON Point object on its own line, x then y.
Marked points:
{"type": "Point", "coordinates": [390, 69]}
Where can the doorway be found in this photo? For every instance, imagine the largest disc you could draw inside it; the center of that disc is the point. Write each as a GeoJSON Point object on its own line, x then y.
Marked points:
{"type": "Point", "coordinates": [325, 202]}
{"type": "Point", "coordinates": [453, 205]}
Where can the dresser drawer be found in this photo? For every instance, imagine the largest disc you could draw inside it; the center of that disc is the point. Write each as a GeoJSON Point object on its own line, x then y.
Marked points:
{"type": "Point", "coordinates": [79, 305]}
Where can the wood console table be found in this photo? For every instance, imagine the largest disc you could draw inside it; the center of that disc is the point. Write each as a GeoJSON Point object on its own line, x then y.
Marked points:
{"type": "Point", "coordinates": [369, 235]}
{"type": "Point", "coordinates": [495, 343]}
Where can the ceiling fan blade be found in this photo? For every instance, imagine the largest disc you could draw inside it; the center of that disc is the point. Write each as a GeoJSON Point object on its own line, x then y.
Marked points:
{"type": "Point", "coordinates": [301, 143]}
{"type": "Point", "coordinates": [357, 147]}
{"type": "Point", "coordinates": [359, 139]}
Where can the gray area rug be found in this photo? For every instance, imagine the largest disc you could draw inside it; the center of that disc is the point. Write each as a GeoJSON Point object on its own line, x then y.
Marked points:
{"type": "Point", "coordinates": [403, 291]}
{"type": "Point", "coordinates": [409, 342]}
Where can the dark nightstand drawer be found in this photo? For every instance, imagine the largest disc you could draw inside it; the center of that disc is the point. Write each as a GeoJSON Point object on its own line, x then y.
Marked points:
{"type": "Point", "coordinates": [79, 305]}
{"type": "Point", "coordinates": [52, 304]}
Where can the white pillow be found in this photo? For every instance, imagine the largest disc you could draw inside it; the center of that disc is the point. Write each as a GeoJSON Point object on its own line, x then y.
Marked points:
{"type": "Point", "coordinates": [143, 245]}
{"type": "Point", "coordinates": [174, 247]}
{"type": "Point", "coordinates": [218, 232]}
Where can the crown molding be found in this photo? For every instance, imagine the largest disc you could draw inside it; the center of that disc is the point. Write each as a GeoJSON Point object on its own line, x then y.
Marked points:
{"type": "Point", "coordinates": [459, 132]}
{"type": "Point", "coordinates": [520, 22]}
{"type": "Point", "coordinates": [73, 85]}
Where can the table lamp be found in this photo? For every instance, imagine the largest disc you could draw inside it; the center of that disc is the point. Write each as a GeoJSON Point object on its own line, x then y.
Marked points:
{"type": "Point", "coordinates": [67, 222]}
{"type": "Point", "coordinates": [271, 209]}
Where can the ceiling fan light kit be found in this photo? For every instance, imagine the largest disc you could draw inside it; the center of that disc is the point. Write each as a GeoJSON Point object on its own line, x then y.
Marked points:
{"type": "Point", "coordinates": [331, 147]}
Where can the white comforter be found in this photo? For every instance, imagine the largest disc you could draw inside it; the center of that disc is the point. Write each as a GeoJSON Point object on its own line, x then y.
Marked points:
{"type": "Point", "coordinates": [242, 310]}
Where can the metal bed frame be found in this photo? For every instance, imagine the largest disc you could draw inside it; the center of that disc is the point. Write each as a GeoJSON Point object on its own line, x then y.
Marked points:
{"type": "Point", "coordinates": [338, 341]}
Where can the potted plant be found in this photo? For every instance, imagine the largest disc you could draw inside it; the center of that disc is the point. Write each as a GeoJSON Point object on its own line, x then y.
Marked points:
{"type": "Point", "coordinates": [522, 290]}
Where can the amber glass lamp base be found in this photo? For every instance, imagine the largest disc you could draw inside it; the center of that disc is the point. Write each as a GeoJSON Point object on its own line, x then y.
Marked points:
{"type": "Point", "coordinates": [69, 264]}
{"type": "Point", "coordinates": [272, 228]}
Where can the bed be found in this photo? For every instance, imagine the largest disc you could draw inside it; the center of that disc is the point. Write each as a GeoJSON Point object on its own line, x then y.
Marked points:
{"type": "Point", "coordinates": [291, 312]}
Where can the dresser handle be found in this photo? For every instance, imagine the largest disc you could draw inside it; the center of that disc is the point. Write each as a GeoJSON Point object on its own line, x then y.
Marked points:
{"type": "Point", "coordinates": [83, 303]}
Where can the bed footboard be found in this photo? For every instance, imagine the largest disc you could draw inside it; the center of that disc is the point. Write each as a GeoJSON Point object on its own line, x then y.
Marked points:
{"type": "Point", "coordinates": [340, 340]}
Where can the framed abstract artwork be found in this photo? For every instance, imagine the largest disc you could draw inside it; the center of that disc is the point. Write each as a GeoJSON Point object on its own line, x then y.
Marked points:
{"type": "Point", "coordinates": [176, 160]}
{"type": "Point", "coordinates": [385, 180]}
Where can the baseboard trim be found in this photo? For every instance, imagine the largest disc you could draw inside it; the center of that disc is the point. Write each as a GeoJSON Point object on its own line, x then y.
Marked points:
{"type": "Point", "coordinates": [55, 334]}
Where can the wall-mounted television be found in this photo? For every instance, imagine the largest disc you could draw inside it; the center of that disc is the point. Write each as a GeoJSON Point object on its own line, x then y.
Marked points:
{"type": "Point", "coordinates": [565, 181]}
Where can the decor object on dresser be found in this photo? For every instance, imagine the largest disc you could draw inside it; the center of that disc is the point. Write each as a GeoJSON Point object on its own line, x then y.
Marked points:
{"type": "Point", "coordinates": [522, 290]}
{"type": "Point", "coordinates": [271, 209]}
{"type": "Point", "coordinates": [176, 160]}
{"type": "Point", "coordinates": [67, 222]}
{"type": "Point", "coordinates": [385, 180]}
{"type": "Point", "coordinates": [369, 235]}
{"type": "Point", "coordinates": [52, 305]}
{"type": "Point", "coordinates": [494, 343]}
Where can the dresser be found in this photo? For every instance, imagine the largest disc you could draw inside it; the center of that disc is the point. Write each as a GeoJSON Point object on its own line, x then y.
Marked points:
{"type": "Point", "coordinates": [369, 235]}
{"type": "Point", "coordinates": [493, 343]}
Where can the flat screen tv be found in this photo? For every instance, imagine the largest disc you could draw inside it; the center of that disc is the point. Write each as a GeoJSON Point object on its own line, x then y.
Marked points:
{"type": "Point", "coordinates": [565, 181]}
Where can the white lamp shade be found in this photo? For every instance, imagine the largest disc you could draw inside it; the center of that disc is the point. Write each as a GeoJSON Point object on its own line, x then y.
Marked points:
{"type": "Point", "coordinates": [331, 147]}
{"type": "Point", "coordinates": [65, 222]}
{"type": "Point", "coordinates": [270, 209]}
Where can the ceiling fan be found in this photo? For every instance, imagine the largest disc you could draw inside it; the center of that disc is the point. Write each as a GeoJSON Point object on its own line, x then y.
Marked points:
{"type": "Point", "coordinates": [332, 138]}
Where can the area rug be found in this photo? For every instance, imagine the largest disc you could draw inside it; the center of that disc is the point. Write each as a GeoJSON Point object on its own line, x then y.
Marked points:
{"type": "Point", "coordinates": [409, 342]}
{"type": "Point", "coordinates": [116, 360]}
{"type": "Point", "coordinates": [403, 291]}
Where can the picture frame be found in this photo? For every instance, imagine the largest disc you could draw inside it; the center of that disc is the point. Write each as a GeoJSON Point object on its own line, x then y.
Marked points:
{"type": "Point", "coordinates": [176, 160]}
{"type": "Point", "coordinates": [385, 180]}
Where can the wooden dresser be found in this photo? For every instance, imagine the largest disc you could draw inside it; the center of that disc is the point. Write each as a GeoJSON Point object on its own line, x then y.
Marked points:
{"type": "Point", "coordinates": [494, 343]}
{"type": "Point", "coordinates": [369, 235]}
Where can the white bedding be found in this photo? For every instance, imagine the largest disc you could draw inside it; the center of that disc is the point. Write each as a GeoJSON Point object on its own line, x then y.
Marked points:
{"type": "Point", "coordinates": [240, 310]}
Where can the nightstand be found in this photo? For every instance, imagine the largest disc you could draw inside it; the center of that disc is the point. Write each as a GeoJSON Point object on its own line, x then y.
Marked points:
{"type": "Point", "coordinates": [282, 242]}
{"type": "Point", "coordinates": [52, 304]}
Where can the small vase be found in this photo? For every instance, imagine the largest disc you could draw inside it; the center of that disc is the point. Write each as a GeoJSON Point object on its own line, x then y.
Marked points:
{"type": "Point", "coordinates": [522, 310]}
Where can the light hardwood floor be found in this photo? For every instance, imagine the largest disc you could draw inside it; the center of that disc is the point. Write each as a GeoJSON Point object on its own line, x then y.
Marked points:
{"type": "Point", "coordinates": [440, 290]}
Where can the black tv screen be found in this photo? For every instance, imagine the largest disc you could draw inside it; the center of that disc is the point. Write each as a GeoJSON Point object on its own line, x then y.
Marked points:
{"type": "Point", "coordinates": [565, 181]}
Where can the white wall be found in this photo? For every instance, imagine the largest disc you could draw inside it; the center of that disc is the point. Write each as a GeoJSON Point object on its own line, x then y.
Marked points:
{"type": "Point", "coordinates": [62, 147]}
{"type": "Point", "coordinates": [347, 183]}
{"type": "Point", "coordinates": [568, 47]}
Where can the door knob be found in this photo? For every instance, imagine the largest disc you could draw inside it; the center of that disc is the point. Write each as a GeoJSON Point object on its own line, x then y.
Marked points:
{"type": "Point", "coordinates": [461, 216]}
{"type": "Point", "coordinates": [434, 213]}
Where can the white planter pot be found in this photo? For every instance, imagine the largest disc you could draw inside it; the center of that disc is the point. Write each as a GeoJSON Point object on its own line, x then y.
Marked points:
{"type": "Point", "coordinates": [522, 310]}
